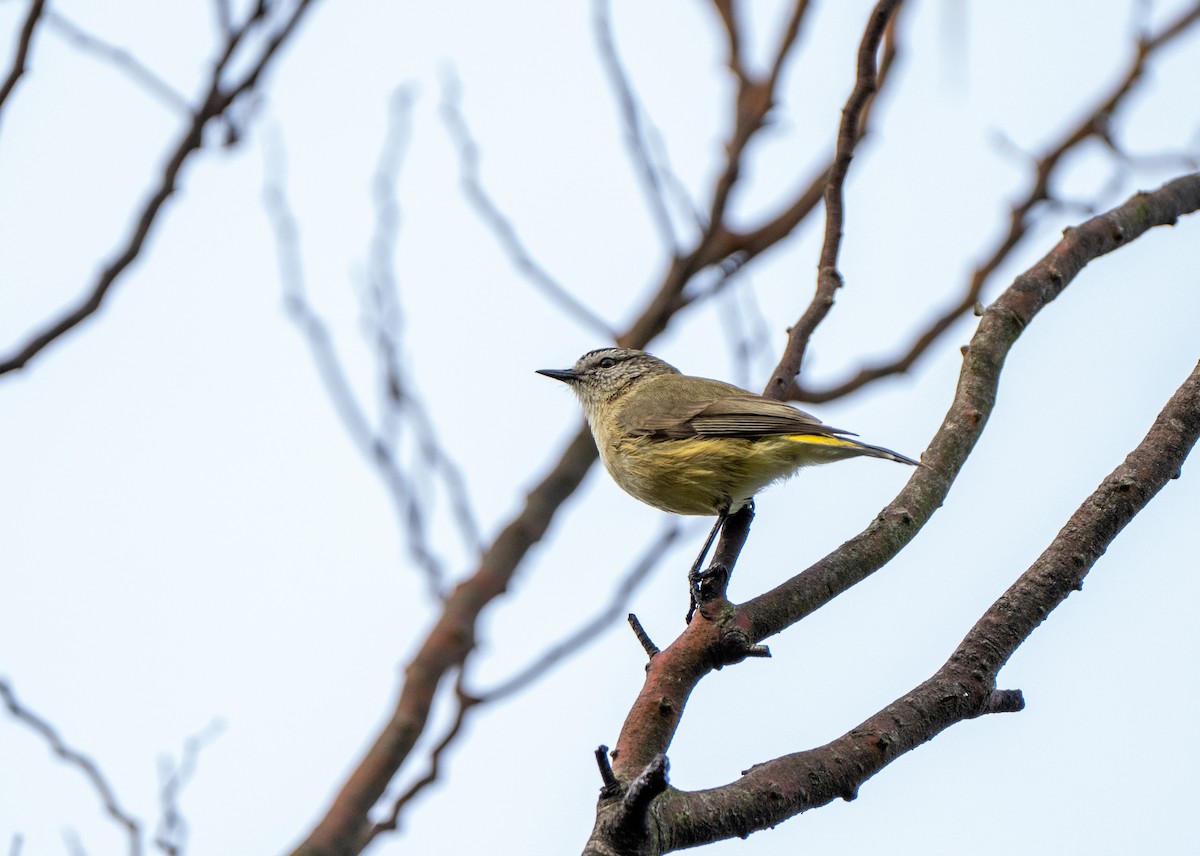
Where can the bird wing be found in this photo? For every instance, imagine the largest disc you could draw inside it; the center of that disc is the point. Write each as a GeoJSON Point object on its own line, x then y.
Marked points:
{"type": "Point", "coordinates": [737, 415]}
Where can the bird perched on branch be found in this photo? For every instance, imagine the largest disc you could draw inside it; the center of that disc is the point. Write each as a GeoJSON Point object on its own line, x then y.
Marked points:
{"type": "Point", "coordinates": [692, 445]}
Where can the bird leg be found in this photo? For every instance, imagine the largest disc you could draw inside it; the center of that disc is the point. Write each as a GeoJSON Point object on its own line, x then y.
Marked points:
{"type": "Point", "coordinates": [708, 542]}
{"type": "Point", "coordinates": [710, 584]}
{"type": "Point", "coordinates": [695, 575]}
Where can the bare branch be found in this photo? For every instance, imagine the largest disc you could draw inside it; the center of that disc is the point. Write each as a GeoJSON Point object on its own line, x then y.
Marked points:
{"type": "Point", "coordinates": [575, 641]}
{"type": "Point", "coordinates": [687, 820]}
{"type": "Point", "coordinates": [828, 278]}
{"type": "Point", "coordinates": [1095, 123]}
{"type": "Point", "coordinates": [499, 225]}
{"type": "Point", "coordinates": [643, 638]}
{"type": "Point", "coordinates": [81, 762]}
{"type": "Point", "coordinates": [171, 835]}
{"type": "Point", "coordinates": [963, 688]}
{"type": "Point", "coordinates": [214, 105]}
{"type": "Point", "coordinates": [998, 330]}
{"type": "Point", "coordinates": [120, 59]}
{"type": "Point", "coordinates": [21, 54]}
{"type": "Point", "coordinates": [648, 171]}
{"type": "Point", "coordinates": [444, 649]}
{"type": "Point", "coordinates": [405, 497]}
{"type": "Point", "coordinates": [400, 404]}
{"type": "Point", "coordinates": [465, 704]}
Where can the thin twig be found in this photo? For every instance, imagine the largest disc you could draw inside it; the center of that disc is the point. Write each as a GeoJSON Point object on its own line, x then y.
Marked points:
{"type": "Point", "coordinates": [400, 405]}
{"type": "Point", "coordinates": [648, 171]}
{"type": "Point", "coordinates": [120, 59]}
{"type": "Point", "coordinates": [1094, 124]}
{"type": "Point", "coordinates": [406, 499]}
{"type": "Point", "coordinates": [171, 834]}
{"type": "Point", "coordinates": [213, 105]}
{"type": "Point", "coordinates": [500, 225]}
{"type": "Point", "coordinates": [21, 54]}
{"type": "Point", "coordinates": [849, 134]}
{"type": "Point", "coordinates": [643, 637]}
{"type": "Point", "coordinates": [392, 822]}
{"type": "Point", "coordinates": [81, 762]}
{"type": "Point", "coordinates": [575, 641]}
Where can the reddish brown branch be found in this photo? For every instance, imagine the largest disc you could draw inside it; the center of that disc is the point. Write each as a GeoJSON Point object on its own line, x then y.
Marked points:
{"type": "Point", "coordinates": [346, 823]}
{"type": "Point", "coordinates": [1094, 124]}
{"type": "Point", "coordinates": [675, 671]}
{"type": "Point", "coordinates": [849, 133]}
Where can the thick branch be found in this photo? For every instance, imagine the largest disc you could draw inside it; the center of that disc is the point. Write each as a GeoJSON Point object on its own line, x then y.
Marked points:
{"type": "Point", "coordinates": [347, 824]}
{"type": "Point", "coordinates": [984, 358]}
{"type": "Point", "coordinates": [965, 686]}
{"type": "Point", "coordinates": [675, 671]}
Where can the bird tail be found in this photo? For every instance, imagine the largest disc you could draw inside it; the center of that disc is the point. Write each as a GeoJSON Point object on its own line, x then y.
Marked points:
{"type": "Point", "coordinates": [852, 447]}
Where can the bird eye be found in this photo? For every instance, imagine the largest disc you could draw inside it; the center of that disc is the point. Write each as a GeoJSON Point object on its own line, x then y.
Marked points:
{"type": "Point", "coordinates": [607, 363]}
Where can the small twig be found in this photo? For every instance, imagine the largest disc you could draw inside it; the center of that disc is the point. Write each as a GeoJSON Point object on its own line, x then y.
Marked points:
{"type": "Point", "coordinates": [829, 280]}
{"type": "Point", "coordinates": [1001, 701]}
{"type": "Point", "coordinates": [631, 818]}
{"type": "Point", "coordinates": [648, 171]}
{"type": "Point", "coordinates": [499, 225]}
{"type": "Point", "coordinates": [73, 842]}
{"type": "Point", "coordinates": [21, 54]}
{"type": "Point", "coordinates": [643, 637]}
{"type": "Point", "coordinates": [171, 835]}
{"type": "Point", "coordinates": [220, 96]}
{"type": "Point", "coordinates": [120, 59]}
{"type": "Point", "coordinates": [611, 784]}
{"type": "Point", "coordinates": [465, 704]}
{"type": "Point", "coordinates": [405, 498]}
{"type": "Point", "coordinates": [81, 762]}
{"type": "Point", "coordinates": [224, 16]}
{"type": "Point", "coordinates": [710, 587]}
{"type": "Point", "coordinates": [1093, 125]}
{"type": "Point", "coordinates": [588, 632]}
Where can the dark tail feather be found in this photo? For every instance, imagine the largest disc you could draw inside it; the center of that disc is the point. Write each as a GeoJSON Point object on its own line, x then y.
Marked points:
{"type": "Point", "coordinates": [880, 452]}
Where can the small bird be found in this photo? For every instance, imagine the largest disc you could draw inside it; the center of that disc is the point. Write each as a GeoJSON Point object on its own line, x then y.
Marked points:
{"type": "Point", "coordinates": [692, 445]}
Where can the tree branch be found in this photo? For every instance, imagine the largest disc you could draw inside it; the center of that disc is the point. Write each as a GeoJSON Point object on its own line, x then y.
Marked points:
{"type": "Point", "coordinates": [964, 687]}
{"type": "Point", "coordinates": [828, 278]}
{"type": "Point", "coordinates": [1095, 123]}
{"type": "Point", "coordinates": [21, 54]}
{"type": "Point", "coordinates": [673, 673]}
{"type": "Point", "coordinates": [81, 762]}
{"type": "Point", "coordinates": [214, 105]}
{"type": "Point", "coordinates": [500, 225]}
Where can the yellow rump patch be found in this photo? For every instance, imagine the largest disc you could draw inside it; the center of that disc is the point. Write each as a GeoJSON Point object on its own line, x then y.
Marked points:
{"type": "Point", "coordinates": [822, 440]}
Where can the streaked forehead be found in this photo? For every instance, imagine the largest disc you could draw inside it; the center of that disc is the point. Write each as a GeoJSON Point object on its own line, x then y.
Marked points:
{"type": "Point", "coordinates": [600, 353]}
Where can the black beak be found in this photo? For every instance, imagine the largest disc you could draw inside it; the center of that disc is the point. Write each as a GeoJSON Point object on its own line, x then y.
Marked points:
{"type": "Point", "coordinates": [565, 375]}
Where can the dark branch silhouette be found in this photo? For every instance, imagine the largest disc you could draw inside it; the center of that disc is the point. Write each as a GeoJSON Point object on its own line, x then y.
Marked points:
{"type": "Point", "coordinates": [87, 766]}
{"type": "Point", "coordinates": [21, 54]}
{"type": "Point", "coordinates": [223, 91]}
